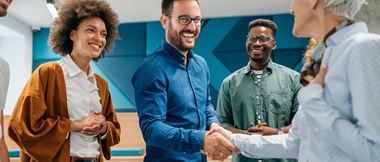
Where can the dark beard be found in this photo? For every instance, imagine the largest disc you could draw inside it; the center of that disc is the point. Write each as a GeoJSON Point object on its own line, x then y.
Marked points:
{"type": "Point", "coordinates": [179, 44]}
{"type": "Point", "coordinates": [177, 41]}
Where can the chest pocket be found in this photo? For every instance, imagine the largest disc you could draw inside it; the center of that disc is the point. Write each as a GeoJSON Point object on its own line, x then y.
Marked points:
{"type": "Point", "coordinates": [279, 109]}
{"type": "Point", "coordinates": [279, 103]}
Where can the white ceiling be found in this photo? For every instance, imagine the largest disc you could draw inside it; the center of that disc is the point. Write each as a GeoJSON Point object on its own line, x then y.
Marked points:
{"type": "Point", "coordinates": [35, 12]}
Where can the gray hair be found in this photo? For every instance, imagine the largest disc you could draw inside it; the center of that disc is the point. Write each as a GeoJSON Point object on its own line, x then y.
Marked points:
{"type": "Point", "coordinates": [344, 8]}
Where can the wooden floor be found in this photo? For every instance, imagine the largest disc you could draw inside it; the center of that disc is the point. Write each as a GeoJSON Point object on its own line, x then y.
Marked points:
{"type": "Point", "coordinates": [131, 137]}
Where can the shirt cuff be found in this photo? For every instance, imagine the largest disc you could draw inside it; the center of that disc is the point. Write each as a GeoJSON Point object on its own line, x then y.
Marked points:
{"type": "Point", "coordinates": [198, 138]}
{"type": "Point", "coordinates": [104, 135]}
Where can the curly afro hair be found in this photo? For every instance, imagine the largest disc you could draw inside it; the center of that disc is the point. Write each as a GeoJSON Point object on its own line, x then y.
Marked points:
{"type": "Point", "coordinates": [71, 13]}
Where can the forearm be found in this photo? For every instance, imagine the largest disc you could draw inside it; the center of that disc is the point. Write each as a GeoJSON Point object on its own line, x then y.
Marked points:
{"type": "Point", "coordinates": [29, 136]}
{"type": "Point", "coordinates": [258, 146]}
{"type": "Point", "coordinates": [235, 130]}
{"type": "Point", "coordinates": [75, 126]}
{"type": "Point", "coordinates": [4, 157]}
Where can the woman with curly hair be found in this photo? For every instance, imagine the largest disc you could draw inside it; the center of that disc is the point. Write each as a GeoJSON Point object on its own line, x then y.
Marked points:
{"type": "Point", "coordinates": [65, 112]}
{"type": "Point", "coordinates": [310, 67]}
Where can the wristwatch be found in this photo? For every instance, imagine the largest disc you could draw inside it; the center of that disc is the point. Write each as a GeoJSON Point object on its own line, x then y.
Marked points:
{"type": "Point", "coordinates": [280, 131]}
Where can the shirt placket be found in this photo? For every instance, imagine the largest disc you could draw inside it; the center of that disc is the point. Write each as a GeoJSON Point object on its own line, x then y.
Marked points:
{"type": "Point", "coordinates": [194, 93]}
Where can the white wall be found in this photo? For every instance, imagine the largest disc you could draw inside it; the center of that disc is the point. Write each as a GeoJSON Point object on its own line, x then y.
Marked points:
{"type": "Point", "coordinates": [16, 43]}
{"type": "Point", "coordinates": [371, 15]}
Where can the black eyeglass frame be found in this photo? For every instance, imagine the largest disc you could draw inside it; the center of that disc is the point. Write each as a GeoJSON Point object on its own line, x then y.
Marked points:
{"type": "Point", "coordinates": [197, 20]}
{"type": "Point", "coordinates": [261, 38]}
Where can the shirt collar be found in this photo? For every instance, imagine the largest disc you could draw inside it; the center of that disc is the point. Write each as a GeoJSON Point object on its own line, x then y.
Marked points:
{"type": "Point", "coordinates": [341, 35]}
{"type": "Point", "coordinates": [73, 69]}
{"type": "Point", "coordinates": [175, 53]}
{"type": "Point", "coordinates": [270, 66]}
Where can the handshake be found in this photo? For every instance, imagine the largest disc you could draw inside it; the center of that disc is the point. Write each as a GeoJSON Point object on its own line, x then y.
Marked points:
{"type": "Point", "coordinates": [217, 145]}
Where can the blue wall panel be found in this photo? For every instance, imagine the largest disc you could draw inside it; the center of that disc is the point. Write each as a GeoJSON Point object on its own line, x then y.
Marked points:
{"type": "Point", "coordinates": [132, 40]}
{"type": "Point", "coordinates": [209, 39]}
{"type": "Point", "coordinates": [120, 70]}
{"type": "Point", "coordinates": [154, 36]}
{"type": "Point", "coordinates": [288, 57]}
{"type": "Point", "coordinates": [41, 50]}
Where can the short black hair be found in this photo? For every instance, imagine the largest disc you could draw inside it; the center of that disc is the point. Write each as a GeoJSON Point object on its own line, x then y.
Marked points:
{"type": "Point", "coordinates": [265, 23]}
{"type": "Point", "coordinates": [167, 6]}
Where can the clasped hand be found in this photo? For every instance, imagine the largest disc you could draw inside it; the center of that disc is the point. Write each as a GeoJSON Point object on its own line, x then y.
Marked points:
{"type": "Point", "coordinates": [263, 129]}
{"type": "Point", "coordinates": [94, 124]}
{"type": "Point", "coordinates": [217, 145]}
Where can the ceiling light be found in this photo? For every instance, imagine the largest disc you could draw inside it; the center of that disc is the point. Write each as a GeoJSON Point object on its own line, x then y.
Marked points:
{"type": "Point", "coordinates": [52, 9]}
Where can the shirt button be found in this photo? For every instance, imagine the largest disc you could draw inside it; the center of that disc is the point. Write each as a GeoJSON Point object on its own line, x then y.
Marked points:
{"type": "Point", "coordinates": [255, 82]}
{"type": "Point", "coordinates": [257, 97]}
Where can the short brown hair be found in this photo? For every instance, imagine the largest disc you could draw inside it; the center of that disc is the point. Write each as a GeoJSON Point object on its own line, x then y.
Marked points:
{"type": "Point", "coordinates": [71, 13]}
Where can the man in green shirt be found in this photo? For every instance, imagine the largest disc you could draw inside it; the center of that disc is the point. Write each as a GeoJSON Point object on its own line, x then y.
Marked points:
{"type": "Point", "coordinates": [261, 97]}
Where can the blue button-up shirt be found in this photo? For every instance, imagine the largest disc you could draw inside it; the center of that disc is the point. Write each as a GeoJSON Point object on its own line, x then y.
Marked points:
{"type": "Point", "coordinates": [173, 104]}
{"type": "Point", "coordinates": [337, 122]}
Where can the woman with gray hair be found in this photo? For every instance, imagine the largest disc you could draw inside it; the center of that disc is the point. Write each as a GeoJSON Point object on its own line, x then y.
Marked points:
{"type": "Point", "coordinates": [339, 110]}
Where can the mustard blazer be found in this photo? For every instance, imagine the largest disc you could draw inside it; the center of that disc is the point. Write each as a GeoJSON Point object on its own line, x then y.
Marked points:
{"type": "Point", "coordinates": [40, 120]}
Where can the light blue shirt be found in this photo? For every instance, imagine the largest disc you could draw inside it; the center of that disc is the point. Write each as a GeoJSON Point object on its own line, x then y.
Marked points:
{"type": "Point", "coordinates": [337, 122]}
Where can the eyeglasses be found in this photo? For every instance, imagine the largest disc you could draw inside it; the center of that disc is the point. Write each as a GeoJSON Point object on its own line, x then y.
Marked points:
{"type": "Point", "coordinates": [186, 20]}
{"type": "Point", "coordinates": [262, 39]}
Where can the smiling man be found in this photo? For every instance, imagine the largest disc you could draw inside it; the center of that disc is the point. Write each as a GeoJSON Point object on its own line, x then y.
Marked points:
{"type": "Point", "coordinates": [173, 93]}
{"type": "Point", "coordinates": [259, 98]}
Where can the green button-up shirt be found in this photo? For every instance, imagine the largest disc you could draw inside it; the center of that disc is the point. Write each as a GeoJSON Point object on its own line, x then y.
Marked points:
{"type": "Point", "coordinates": [243, 98]}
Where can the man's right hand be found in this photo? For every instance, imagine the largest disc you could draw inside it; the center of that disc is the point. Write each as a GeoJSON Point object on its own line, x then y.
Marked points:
{"type": "Point", "coordinates": [217, 146]}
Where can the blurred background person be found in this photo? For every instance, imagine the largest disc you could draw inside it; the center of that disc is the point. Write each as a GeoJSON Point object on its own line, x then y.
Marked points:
{"type": "Point", "coordinates": [4, 84]}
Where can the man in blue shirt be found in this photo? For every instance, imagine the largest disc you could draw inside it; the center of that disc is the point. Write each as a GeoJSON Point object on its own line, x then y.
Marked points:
{"type": "Point", "coordinates": [338, 119]}
{"type": "Point", "coordinates": [173, 94]}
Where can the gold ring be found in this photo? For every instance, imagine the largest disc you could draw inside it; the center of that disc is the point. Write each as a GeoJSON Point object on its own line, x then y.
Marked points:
{"type": "Point", "coordinates": [221, 154]}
